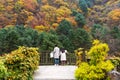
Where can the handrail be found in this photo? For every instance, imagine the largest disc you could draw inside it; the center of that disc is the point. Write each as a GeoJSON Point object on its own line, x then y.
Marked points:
{"type": "Point", "coordinates": [46, 60]}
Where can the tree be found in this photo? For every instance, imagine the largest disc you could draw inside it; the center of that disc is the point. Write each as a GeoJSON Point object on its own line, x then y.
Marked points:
{"type": "Point", "coordinates": [99, 32]}
{"type": "Point", "coordinates": [66, 42]}
{"type": "Point", "coordinates": [80, 19]}
{"type": "Point", "coordinates": [50, 14]}
{"type": "Point", "coordinates": [79, 38]}
{"type": "Point", "coordinates": [64, 27]}
{"type": "Point", "coordinates": [48, 41]}
{"type": "Point", "coordinates": [114, 17]}
{"type": "Point", "coordinates": [115, 32]}
{"type": "Point", "coordinates": [83, 6]}
{"type": "Point", "coordinates": [11, 38]}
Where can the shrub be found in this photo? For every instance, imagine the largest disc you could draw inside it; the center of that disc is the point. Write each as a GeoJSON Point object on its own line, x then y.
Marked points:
{"type": "Point", "coordinates": [98, 66]}
{"type": "Point", "coordinates": [21, 63]}
{"type": "Point", "coordinates": [3, 70]}
{"type": "Point", "coordinates": [116, 62]}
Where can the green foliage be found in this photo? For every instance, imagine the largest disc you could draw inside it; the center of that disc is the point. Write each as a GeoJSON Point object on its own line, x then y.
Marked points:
{"type": "Point", "coordinates": [98, 67]}
{"type": "Point", "coordinates": [79, 38]}
{"type": "Point", "coordinates": [66, 42]}
{"type": "Point", "coordinates": [116, 62]}
{"type": "Point", "coordinates": [3, 71]}
{"type": "Point", "coordinates": [48, 41]}
{"type": "Point", "coordinates": [98, 31]}
{"type": "Point", "coordinates": [11, 38]}
{"type": "Point", "coordinates": [89, 3]}
{"type": "Point", "coordinates": [115, 32]}
{"type": "Point", "coordinates": [21, 63]}
{"type": "Point", "coordinates": [83, 6]}
{"type": "Point", "coordinates": [74, 12]}
{"type": "Point", "coordinates": [64, 27]}
{"type": "Point", "coordinates": [80, 19]}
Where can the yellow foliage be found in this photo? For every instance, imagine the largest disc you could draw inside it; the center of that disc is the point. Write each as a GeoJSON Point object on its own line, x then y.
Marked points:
{"type": "Point", "coordinates": [63, 11]}
{"type": "Point", "coordinates": [21, 63]}
{"type": "Point", "coordinates": [55, 25]}
{"type": "Point", "coordinates": [98, 51]}
{"type": "Point", "coordinates": [97, 67]}
{"type": "Point", "coordinates": [20, 3]}
{"type": "Point", "coordinates": [2, 7]}
{"type": "Point", "coordinates": [47, 8]}
{"type": "Point", "coordinates": [78, 54]}
{"type": "Point", "coordinates": [41, 28]}
{"type": "Point", "coordinates": [30, 18]}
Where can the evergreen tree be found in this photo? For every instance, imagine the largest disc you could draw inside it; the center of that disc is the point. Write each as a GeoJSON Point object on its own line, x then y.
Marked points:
{"type": "Point", "coordinates": [83, 6]}
{"type": "Point", "coordinates": [79, 38]}
{"type": "Point", "coordinates": [98, 31]}
{"type": "Point", "coordinates": [48, 41]}
{"type": "Point", "coordinates": [66, 42]}
{"type": "Point", "coordinates": [64, 27]}
{"type": "Point", "coordinates": [80, 19]}
{"type": "Point", "coordinates": [11, 38]}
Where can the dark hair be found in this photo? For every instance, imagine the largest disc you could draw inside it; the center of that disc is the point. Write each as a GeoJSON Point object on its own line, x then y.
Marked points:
{"type": "Point", "coordinates": [63, 51]}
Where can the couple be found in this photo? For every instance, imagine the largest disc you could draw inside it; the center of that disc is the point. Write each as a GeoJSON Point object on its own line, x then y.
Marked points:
{"type": "Point", "coordinates": [59, 54]}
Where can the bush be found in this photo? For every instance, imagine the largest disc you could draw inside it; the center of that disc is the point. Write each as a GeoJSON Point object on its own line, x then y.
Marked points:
{"type": "Point", "coordinates": [98, 66]}
{"type": "Point", "coordinates": [21, 63]}
{"type": "Point", "coordinates": [116, 62]}
{"type": "Point", "coordinates": [3, 71]}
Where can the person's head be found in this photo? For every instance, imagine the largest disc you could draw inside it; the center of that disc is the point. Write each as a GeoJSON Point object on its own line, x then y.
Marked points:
{"type": "Point", "coordinates": [62, 50]}
{"type": "Point", "coordinates": [55, 45]}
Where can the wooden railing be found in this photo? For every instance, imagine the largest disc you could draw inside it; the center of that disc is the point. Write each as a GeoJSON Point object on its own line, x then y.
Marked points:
{"type": "Point", "coordinates": [46, 60]}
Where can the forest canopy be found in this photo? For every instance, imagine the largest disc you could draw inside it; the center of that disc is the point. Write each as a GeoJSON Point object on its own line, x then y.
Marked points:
{"type": "Point", "coordinates": [98, 19]}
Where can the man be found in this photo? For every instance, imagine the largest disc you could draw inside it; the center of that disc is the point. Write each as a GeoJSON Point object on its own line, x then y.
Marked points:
{"type": "Point", "coordinates": [56, 55]}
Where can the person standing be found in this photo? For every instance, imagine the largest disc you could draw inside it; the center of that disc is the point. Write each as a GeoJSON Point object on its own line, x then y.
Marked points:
{"type": "Point", "coordinates": [56, 55]}
{"type": "Point", "coordinates": [63, 56]}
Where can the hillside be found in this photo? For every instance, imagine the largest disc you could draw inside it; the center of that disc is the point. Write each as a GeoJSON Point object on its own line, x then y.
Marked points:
{"type": "Point", "coordinates": [99, 18]}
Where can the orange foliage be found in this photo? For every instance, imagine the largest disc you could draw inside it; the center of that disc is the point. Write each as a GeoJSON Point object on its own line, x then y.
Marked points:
{"type": "Point", "coordinates": [30, 4]}
{"type": "Point", "coordinates": [49, 12]}
{"type": "Point", "coordinates": [114, 15]}
{"type": "Point", "coordinates": [9, 8]}
{"type": "Point", "coordinates": [72, 20]}
{"type": "Point", "coordinates": [87, 28]}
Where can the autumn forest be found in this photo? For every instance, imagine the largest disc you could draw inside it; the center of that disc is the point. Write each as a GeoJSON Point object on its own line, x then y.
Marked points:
{"type": "Point", "coordinates": [69, 23]}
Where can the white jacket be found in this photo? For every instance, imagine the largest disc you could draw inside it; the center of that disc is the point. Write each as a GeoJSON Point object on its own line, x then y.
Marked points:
{"type": "Point", "coordinates": [56, 52]}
